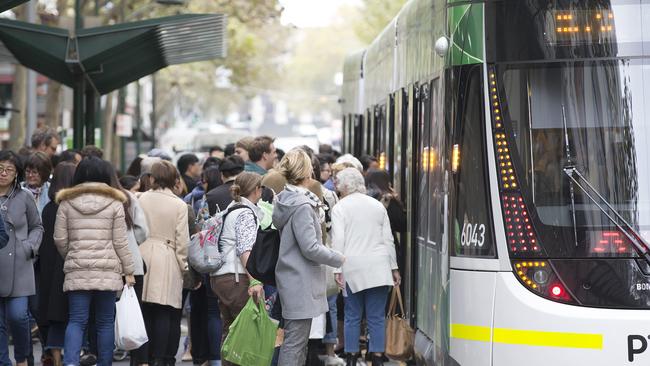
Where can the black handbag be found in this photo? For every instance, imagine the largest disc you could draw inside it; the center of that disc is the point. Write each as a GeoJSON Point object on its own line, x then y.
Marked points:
{"type": "Point", "coordinates": [264, 256]}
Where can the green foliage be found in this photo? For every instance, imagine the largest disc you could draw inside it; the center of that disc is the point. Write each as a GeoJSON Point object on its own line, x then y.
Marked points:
{"type": "Point", "coordinates": [374, 16]}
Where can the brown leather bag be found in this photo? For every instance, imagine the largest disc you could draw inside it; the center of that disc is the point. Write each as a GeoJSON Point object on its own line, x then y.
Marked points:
{"type": "Point", "coordinates": [399, 334]}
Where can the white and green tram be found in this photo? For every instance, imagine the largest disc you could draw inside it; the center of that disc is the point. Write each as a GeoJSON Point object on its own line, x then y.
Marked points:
{"type": "Point", "coordinates": [515, 131]}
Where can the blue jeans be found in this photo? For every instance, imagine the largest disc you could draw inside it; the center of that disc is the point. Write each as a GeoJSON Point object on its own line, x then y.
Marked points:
{"type": "Point", "coordinates": [14, 311]}
{"type": "Point", "coordinates": [79, 308]}
{"type": "Point", "coordinates": [373, 300]}
{"type": "Point", "coordinates": [331, 337]}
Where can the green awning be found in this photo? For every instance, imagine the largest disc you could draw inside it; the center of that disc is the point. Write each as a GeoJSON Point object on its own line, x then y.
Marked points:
{"type": "Point", "coordinates": [113, 56]}
{"type": "Point", "coordinates": [8, 4]}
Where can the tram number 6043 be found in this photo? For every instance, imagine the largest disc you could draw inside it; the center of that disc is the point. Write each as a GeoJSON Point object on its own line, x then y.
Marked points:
{"type": "Point", "coordinates": [473, 235]}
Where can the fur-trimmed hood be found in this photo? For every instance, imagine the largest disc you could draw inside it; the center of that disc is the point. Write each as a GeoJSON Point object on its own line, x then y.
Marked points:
{"type": "Point", "coordinates": [90, 198]}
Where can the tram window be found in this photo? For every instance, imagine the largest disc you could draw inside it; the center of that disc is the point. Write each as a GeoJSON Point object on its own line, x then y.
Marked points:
{"type": "Point", "coordinates": [471, 227]}
{"type": "Point", "coordinates": [423, 123]}
{"type": "Point", "coordinates": [436, 166]}
{"type": "Point", "coordinates": [602, 106]}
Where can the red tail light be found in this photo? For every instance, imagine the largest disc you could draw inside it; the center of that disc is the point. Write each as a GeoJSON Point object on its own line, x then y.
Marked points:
{"type": "Point", "coordinates": [557, 290]}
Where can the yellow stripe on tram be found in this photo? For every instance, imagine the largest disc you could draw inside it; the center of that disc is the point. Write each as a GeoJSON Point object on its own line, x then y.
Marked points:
{"type": "Point", "coordinates": [471, 332]}
{"type": "Point", "coordinates": [527, 337]}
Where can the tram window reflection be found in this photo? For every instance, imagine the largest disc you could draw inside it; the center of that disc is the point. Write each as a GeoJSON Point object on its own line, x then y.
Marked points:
{"type": "Point", "coordinates": [603, 105]}
{"type": "Point", "coordinates": [471, 225]}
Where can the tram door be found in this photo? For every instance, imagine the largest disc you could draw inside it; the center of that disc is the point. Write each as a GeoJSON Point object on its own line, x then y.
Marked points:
{"type": "Point", "coordinates": [410, 198]}
{"type": "Point", "coordinates": [422, 266]}
{"type": "Point", "coordinates": [399, 136]}
{"type": "Point", "coordinates": [381, 140]}
{"type": "Point", "coordinates": [391, 135]}
{"type": "Point", "coordinates": [357, 136]}
{"type": "Point", "coordinates": [431, 251]}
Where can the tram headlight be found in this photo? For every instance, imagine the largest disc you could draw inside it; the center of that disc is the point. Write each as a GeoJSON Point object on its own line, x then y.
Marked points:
{"type": "Point", "coordinates": [541, 276]}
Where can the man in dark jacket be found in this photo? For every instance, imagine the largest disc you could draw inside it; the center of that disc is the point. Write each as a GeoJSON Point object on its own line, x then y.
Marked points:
{"type": "Point", "coordinates": [190, 169]}
{"type": "Point", "coordinates": [219, 198]}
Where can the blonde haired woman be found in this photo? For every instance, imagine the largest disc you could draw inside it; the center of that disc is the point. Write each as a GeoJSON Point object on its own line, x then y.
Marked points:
{"type": "Point", "coordinates": [300, 274]}
{"type": "Point", "coordinates": [231, 283]}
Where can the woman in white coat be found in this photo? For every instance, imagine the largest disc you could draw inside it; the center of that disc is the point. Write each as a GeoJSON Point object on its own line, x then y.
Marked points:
{"type": "Point", "coordinates": [361, 231]}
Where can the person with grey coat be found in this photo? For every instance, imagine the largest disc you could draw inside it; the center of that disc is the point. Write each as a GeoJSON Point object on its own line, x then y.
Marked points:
{"type": "Point", "coordinates": [300, 271]}
{"type": "Point", "coordinates": [24, 229]}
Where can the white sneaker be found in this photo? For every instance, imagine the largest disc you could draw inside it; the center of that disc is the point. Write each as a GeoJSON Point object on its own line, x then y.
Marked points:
{"type": "Point", "coordinates": [334, 361]}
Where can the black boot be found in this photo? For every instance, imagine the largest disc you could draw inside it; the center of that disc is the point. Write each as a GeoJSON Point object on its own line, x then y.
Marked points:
{"type": "Point", "coordinates": [159, 362]}
{"type": "Point", "coordinates": [377, 360]}
{"type": "Point", "coordinates": [351, 359]}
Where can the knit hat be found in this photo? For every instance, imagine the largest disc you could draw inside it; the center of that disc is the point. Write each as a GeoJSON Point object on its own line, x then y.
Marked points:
{"type": "Point", "coordinates": [147, 163]}
{"type": "Point", "coordinates": [159, 153]}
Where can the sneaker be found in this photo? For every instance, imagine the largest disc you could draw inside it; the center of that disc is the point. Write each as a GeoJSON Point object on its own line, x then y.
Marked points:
{"type": "Point", "coordinates": [35, 332]}
{"type": "Point", "coordinates": [187, 356]}
{"type": "Point", "coordinates": [47, 360]}
{"type": "Point", "coordinates": [88, 359]}
{"type": "Point", "coordinates": [334, 361]}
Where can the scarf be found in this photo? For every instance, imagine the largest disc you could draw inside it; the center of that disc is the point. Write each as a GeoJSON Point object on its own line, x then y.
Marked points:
{"type": "Point", "coordinates": [36, 191]}
{"type": "Point", "coordinates": [312, 197]}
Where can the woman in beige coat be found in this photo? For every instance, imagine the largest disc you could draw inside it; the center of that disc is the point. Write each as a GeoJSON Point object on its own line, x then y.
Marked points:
{"type": "Point", "coordinates": [165, 257]}
{"type": "Point", "coordinates": [90, 235]}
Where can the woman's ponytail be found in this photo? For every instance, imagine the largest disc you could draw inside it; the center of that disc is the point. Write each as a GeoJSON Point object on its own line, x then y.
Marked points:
{"type": "Point", "coordinates": [245, 184]}
{"type": "Point", "coordinates": [235, 192]}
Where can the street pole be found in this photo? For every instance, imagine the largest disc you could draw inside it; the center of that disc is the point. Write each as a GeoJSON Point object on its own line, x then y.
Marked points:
{"type": "Point", "coordinates": [78, 112]}
{"type": "Point", "coordinates": [121, 108]}
{"type": "Point", "coordinates": [91, 115]}
{"type": "Point", "coordinates": [31, 110]}
{"type": "Point", "coordinates": [78, 20]}
{"type": "Point", "coordinates": [154, 116]}
{"type": "Point", "coordinates": [138, 118]}
{"type": "Point", "coordinates": [78, 90]}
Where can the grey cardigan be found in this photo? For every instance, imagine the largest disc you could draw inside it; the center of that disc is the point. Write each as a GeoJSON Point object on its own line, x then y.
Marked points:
{"type": "Point", "coordinates": [24, 228]}
{"type": "Point", "coordinates": [300, 272]}
{"type": "Point", "coordinates": [137, 234]}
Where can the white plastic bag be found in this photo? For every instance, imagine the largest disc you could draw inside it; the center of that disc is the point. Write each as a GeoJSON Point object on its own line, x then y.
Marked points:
{"type": "Point", "coordinates": [130, 332]}
{"type": "Point", "coordinates": [318, 325]}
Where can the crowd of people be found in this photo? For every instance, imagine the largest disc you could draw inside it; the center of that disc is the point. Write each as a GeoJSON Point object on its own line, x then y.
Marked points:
{"type": "Point", "coordinates": [75, 231]}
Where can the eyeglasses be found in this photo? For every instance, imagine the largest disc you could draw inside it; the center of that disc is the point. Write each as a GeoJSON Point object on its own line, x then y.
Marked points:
{"type": "Point", "coordinates": [7, 170]}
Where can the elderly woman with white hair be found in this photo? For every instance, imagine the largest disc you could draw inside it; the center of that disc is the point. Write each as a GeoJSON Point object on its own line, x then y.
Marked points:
{"type": "Point", "coordinates": [361, 231]}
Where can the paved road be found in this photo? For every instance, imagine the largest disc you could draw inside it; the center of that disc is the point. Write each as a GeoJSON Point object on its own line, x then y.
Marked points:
{"type": "Point", "coordinates": [37, 349]}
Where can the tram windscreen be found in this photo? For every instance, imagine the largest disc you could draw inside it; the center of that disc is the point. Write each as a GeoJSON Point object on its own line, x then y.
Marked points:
{"type": "Point", "coordinates": [604, 109]}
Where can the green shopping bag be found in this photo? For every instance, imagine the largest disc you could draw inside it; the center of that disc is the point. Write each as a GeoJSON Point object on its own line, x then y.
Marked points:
{"type": "Point", "coordinates": [251, 339]}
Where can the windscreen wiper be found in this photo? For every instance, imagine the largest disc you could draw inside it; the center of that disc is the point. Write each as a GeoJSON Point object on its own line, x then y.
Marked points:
{"type": "Point", "coordinates": [641, 246]}
{"type": "Point", "coordinates": [567, 148]}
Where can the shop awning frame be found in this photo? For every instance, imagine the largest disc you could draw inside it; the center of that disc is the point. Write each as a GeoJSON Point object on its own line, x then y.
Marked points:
{"type": "Point", "coordinates": [9, 4]}
{"type": "Point", "coordinates": [111, 57]}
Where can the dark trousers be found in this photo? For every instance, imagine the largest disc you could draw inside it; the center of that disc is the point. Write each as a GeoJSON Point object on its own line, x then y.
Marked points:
{"type": "Point", "coordinates": [206, 326]}
{"type": "Point", "coordinates": [33, 310]}
{"type": "Point", "coordinates": [163, 325]}
{"type": "Point", "coordinates": [233, 296]}
{"type": "Point", "coordinates": [140, 355]}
